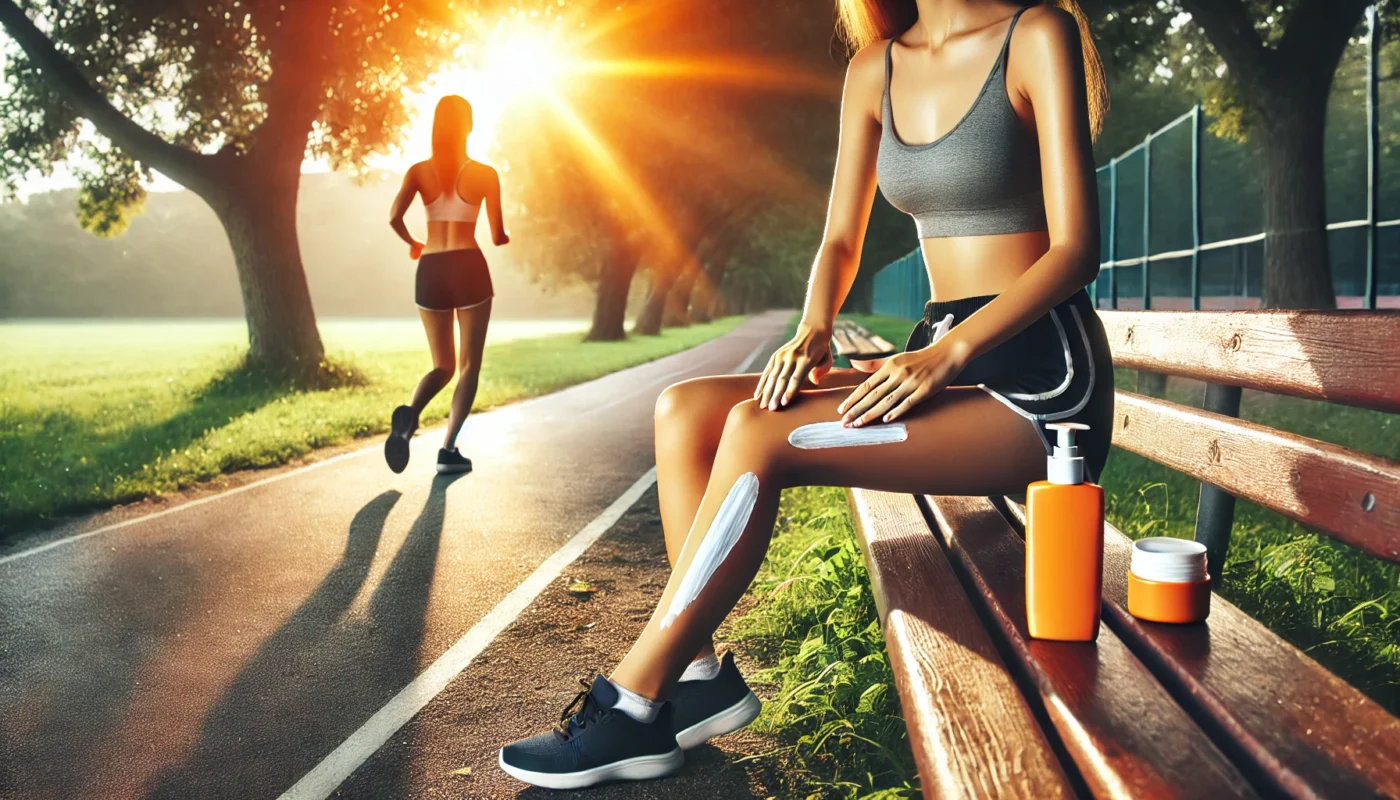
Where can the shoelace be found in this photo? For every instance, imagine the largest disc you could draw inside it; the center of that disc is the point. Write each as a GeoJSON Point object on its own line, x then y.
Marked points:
{"type": "Point", "coordinates": [578, 713]}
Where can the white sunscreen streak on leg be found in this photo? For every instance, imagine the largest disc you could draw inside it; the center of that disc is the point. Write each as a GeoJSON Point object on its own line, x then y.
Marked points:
{"type": "Point", "coordinates": [820, 435]}
{"type": "Point", "coordinates": [724, 532]}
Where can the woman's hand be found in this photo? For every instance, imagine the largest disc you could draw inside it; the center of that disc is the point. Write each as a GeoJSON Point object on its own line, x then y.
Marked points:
{"type": "Point", "coordinates": [502, 239]}
{"type": "Point", "coordinates": [902, 382]}
{"type": "Point", "coordinates": [809, 351]}
{"type": "Point", "coordinates": [415, 250]}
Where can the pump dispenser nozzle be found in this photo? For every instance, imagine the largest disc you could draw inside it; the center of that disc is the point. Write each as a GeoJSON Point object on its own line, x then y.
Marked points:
{"type": "Point", "coordinates": [1065, 465]}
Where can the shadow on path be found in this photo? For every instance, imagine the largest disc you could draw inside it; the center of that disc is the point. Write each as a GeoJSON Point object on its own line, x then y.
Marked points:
{"type": "Point", "coordinates": [326, 671]}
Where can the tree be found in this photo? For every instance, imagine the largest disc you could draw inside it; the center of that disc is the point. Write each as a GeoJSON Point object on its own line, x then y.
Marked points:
{"type": "Point", "coordinates": [1280, 60]}
{"type": "Point", "coordinates": [227, 98]}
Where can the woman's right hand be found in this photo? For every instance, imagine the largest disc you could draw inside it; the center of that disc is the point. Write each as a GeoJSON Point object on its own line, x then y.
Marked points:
{"type": "Point", "coordinates": [415, 250]}
{"type": "Point", "coordinates": [809, 351]}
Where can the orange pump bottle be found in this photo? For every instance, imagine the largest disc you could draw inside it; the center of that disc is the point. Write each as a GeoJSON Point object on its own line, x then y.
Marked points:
{"type": "Point", "coordinates": [1064, 546]}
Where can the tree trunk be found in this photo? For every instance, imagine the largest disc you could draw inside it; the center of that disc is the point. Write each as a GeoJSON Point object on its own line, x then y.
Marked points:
{"type": "Point", "coordinates": [1297, 269]}
{"type": "Point", "coordinates": [258, 211]}
{"type": "Point", "coordinates": [649, 321]}
{"type": "Point", "coordinates": [610, 310]}
{"type": "Point", "coordinates": [677, 312]}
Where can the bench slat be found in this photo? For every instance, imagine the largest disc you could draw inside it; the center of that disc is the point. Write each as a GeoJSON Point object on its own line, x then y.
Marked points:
{"type": "Point", "coordinates": [1321, 485]}
{"type": "Point", "coordinates": [1128, 736]}
{"type": "Point", "coordinates": [971, 730]}
{"type": "Point", "coordinates": [1348, 357]}
{"type": "Point", "coordinates": [1301, 728]}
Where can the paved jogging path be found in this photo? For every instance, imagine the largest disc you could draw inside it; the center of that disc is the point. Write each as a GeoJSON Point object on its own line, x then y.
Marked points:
{"type": "Point", "coordinates": [270, 637]}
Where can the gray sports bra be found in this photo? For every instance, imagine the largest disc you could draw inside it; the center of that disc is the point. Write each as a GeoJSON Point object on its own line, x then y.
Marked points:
{"type": "Point", "coordinates": [982, 177]}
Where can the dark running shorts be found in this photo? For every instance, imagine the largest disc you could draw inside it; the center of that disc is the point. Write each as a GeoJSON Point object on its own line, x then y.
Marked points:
{"type": "Point", "coordinates": [1058, 369]}
{"type": "Point", "coordinates": [453, 279]}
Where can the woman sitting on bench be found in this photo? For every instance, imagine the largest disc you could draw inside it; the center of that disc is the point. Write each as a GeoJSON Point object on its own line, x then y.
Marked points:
{"type": "Point", "coordinates": [976, 118]}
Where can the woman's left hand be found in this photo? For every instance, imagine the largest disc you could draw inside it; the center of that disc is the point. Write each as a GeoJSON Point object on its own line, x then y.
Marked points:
{"type": "Point", "coordinates": [903, 381]}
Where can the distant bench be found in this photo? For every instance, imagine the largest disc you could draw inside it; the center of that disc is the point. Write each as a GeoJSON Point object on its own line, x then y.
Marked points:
{"type": "Point", "coordinates": [1222, 709]}
{"type": "Point", "coordinates": [854, 341]}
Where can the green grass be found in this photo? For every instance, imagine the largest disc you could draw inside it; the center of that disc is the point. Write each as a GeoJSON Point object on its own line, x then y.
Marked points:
{"type": "Point", "coordinates": [837, 716]}
{"type": "Point", "coordinates": [1339, 604]}
{"type": "Point", "coordinates": [96, 413]}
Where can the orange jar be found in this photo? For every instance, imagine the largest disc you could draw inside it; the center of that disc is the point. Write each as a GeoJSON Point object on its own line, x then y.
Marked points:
{"type": "Point", "coordinates": [1168, 581]}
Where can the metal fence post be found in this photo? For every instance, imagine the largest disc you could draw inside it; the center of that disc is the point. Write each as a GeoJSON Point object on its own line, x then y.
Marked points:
{"type": "Point", "coordinates": [1113, 233]}
{"type": "Point", "coordinates": [1196, 208]}
{"type": "Point", "coordinates": [1146, 221]}
{"type": "Point", "coordinates": [1373, 171]}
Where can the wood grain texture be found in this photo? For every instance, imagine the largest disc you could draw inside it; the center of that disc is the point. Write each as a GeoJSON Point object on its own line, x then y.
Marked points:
{"type": "Point", "coordinates": [1296, 729]}
{"type": "Point", "coordinates": [1349, 357]}
{"type": "Point", "coordinates": [852, 340]}
{"type": "Point", "coordinates": [1353, 497]}
{"type": "Point", "coordinates": [1129, 738]}
{"type": "Point", "coordinates": [972, 732]}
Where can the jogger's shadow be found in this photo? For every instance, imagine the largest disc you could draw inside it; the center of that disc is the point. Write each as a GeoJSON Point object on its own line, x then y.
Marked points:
{"type": "Point", "coordinates": [327, 669]}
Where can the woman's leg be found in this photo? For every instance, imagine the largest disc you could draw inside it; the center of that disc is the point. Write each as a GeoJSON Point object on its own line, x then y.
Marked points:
{"type": "Point", "coordinates": [438, 326]}
{"type": "Point", "coordinates": [689, 421]}
{"type": "Point", "coordinates": [472, 323]}
{"type": "Point", "coordinates": [961, 441]}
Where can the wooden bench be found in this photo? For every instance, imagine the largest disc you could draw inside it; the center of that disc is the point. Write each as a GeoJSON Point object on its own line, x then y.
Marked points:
{"type": "Point", "coordinates": [1221, 709]}
{"type": "Point", "coordinates": [853, 341]}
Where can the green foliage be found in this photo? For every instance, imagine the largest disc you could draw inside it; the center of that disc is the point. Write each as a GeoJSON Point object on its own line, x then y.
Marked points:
{"type": "Point", "coordinates": [93, 414]}
{"type": "Point", "coordinates": [111, 195]}
{"type": "Point", "coordinates": [208, 76]}
{"type": "Point", "coordinates": [836, 715]}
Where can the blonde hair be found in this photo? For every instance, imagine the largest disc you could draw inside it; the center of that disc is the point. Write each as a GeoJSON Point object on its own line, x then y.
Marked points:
{"type": "Point", "coordinates": [861, 22]}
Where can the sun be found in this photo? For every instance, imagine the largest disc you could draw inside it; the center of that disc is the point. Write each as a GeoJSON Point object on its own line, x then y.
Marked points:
{"type": "Point", "coordinates": [517, 61]}
{"type": "Point", "coordinates": [524, 62]}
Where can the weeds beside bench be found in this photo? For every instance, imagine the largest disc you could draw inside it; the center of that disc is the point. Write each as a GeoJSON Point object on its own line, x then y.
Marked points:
{"type": "Point", "coordinates": [1221, 709]}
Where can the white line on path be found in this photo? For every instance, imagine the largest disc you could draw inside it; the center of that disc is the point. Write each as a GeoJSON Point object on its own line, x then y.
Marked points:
{"type": "Point", "coordinates": [345, 759]}
{"type": "Point", "coordinates": [342, 762]}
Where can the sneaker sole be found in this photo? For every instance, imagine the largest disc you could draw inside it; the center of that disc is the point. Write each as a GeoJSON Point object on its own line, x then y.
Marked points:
{"type": "Point", "coordinates": [729, 720]}
{"type": "Point", "coordinates": [632, 769]}
{"type": "Point", "coordinates": [451, 469]}
{"type": "Point", "coordinates": [396, 446]}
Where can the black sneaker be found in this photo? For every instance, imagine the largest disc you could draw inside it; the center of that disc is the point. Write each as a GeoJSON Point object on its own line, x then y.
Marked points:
{"type": "Point", "coordinates": [595, 743]}
{"type": "Point", "coordinates": [401, 428]}
{"type": "Point", "coordinates": [705, 709]}
{"type": "Point", "coordinates": [451, 462]}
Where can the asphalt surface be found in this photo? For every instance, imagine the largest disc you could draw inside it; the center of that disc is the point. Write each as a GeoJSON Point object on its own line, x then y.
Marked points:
{"type": "Point", "coordinates": [226, 647]}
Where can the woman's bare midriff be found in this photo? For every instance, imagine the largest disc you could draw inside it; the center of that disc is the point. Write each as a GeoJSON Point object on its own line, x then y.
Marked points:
{"type": "Point", "coordinates": [974, 266]}
{"type": "Point", "coordinates": [444, 236]}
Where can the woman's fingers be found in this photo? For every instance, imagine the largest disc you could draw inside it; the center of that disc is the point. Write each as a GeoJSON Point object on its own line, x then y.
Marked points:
{"type": "Point", "coordinates": [794, 380]}
{"type": "Point", "coordinates": [914, 398]}
{"type": "Point", "coordinates": [767, 375]}
{"type": "Point", "coordinates": [857, 406]}
{"type": "Point", "coordinates": [892, 398]}
{"type": "Point", "coordinates": [780, 382]}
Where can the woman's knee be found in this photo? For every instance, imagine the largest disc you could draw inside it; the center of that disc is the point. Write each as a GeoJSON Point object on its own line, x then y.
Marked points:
{"type": "Point", "coordinates": [755, 435]}
{"type": "Point", "coordinates": [689, 404]}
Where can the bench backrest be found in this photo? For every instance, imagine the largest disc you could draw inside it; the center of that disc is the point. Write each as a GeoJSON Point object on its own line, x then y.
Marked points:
{"type": "Point", "coordinates": [1345, 357]}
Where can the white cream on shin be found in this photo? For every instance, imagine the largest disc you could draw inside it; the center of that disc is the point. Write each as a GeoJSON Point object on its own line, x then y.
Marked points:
{"type": "Point", "coordinates": [724, 532]}
{"type": "Point", "coordinates": [821, 435]}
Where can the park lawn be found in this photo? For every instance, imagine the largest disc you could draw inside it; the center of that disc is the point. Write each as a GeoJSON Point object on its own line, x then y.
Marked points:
{"type": "Point", "coordinates": [97, 413]}
{"type": "Point", "coordinates": [1339, 604]}
{"type": "Point", "coordinates": [811, 622]}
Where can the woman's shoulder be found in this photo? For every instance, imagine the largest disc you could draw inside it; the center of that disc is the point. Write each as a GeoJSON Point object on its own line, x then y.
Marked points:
{"type": "Point", "coordinates": [1046, 29]}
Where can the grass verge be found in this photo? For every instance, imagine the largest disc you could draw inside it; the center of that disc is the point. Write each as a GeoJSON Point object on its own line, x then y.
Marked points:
{"type": "Point", "coordinates": [98, 413]}
{"type": "Point", "coordinates": [813, 617]}
{"type": "Point", "coordinates": [1340, 605]}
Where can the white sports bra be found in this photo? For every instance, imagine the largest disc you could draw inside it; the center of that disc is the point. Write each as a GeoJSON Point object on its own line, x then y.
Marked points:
{"type": "Point", "coordinates": [449, 206]}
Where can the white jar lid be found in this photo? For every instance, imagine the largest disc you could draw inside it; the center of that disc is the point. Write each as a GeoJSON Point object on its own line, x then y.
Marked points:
{"type": "Point", "coordinates": [1169, 560]}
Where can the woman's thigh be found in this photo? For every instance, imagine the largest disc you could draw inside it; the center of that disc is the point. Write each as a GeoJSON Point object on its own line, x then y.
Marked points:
{"type": "Point", "coordinates": [438, 326]}
{"type": "Point", "coordinates": [961, 441]}
{"type": "Point", "coordinates": [472, 323]}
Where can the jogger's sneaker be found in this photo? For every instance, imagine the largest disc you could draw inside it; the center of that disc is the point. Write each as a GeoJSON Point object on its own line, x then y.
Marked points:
{"type": "Point", "coordinates": [595, 743]}
{"type": "Point", "coordinates": [452, 461]}
{"type": "Point", "coordinates": [401, 427]}
{"type": "Point", "coordinates": [704, 709]}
